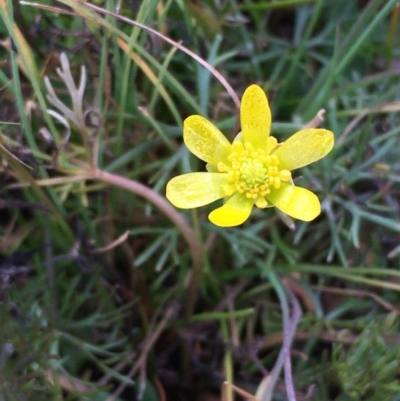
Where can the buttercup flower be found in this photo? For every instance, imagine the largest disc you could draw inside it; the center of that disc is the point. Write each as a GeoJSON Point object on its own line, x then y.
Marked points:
{"type": "Point", "coordinates": [253, 170]}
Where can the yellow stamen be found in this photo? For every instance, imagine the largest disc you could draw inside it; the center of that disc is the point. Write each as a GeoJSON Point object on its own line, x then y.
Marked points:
{"type": "Point", "coordinates": [253, 172]}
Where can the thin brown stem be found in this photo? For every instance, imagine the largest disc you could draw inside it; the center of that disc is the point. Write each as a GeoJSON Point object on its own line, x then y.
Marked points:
{"type": "Point", "coordinates": [189, 235]}
{"type": "Point", "coordinates": [178, 45]}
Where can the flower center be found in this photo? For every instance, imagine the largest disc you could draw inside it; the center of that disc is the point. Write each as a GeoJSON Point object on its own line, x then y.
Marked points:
{"type": "Point", "coordinates": [254, 172]}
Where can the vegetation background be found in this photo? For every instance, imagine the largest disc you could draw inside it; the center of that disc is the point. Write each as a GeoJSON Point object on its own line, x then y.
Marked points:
{"type": "Point", "coordinates": [109, 293]}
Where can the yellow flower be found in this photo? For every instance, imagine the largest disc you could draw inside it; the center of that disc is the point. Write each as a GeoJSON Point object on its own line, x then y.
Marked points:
{"type": "Point", "coordinates": [253, 170]}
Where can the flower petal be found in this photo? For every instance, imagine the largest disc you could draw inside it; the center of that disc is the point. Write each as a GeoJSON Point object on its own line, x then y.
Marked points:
{"type": "Point", "coordinates": [192, 190]}
{"type": "Point", "coordinates": [212, 168]}
{"type": "Point", "coordinates": [255, 117]}
{"type": "Point", "coordinates": [296, 202]}
{"type": "Point", "coordinates": [205, 140]}
{"type": "Point", "coordinates": [234, 212]}
{"type": "Point", "coordinates": [304, 147]}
